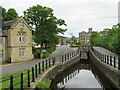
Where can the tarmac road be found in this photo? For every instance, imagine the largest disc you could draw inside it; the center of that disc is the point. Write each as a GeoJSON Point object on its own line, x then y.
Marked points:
{"type": "Point", "coordinates": [14, 67]}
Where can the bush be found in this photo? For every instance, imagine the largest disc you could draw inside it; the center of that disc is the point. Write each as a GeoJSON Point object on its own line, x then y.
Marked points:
{"type": "Point", "coordinates": [45, 54]}
{"type": "Point", "coordinates": [74, 45]}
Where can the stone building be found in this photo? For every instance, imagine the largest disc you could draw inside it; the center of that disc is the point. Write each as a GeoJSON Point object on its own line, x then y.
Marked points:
{"type": "Point", "coordinates": [16, 41]}
{"type": "Point", "coordinates": [84, 37]}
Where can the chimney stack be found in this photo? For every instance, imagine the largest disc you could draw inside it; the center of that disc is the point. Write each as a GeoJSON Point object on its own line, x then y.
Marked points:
{"type": "Point", "coordinates": [89, 30]}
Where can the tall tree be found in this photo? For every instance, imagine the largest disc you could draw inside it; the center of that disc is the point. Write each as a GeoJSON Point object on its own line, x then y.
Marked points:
{"type": "Point", "coordinates": [45, 24]}
{"type": "Point", "coordinates": [11, 14]}
{"type": "Point", "coordinates": [4, 14]}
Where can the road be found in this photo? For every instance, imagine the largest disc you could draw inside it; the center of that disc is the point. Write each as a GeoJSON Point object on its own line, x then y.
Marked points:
{"type": "Point", "coordinates": [11, 68]}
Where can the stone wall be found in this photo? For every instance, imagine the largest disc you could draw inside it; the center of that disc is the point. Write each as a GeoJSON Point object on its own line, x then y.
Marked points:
{"type": "Point", "coordinates": [61, 67]}
{"type": "Point", "coordinates": [111, 74]}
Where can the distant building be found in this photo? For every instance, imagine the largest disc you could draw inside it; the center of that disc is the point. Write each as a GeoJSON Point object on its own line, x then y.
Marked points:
{"type": "Point", "coordinates": [84, 37]}
{"type": "Point", "coordinates": [16, 41]}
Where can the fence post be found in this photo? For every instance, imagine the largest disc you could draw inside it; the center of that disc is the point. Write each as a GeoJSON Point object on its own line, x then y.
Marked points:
{"type": "Point", "coordinates": [42, 65]}
{"type": "Point", "coordinates": [49, 62]}
{"type": "Point", "coordinates": [62, 59]}
{"type": "Point", "coordinates": [107, 59]}
{"type": "Point", "coordinates": [110, 60]}
{"type": "Point", "coordinates": [39, 68]}
{"type": "Point", "coordinates": [28, 78]}
{"type": "Point", "coordinates": [68, 55]}
{"type": "Point", "coordinates": [53, 59]}
{"type": "Point", "coordinates": [103, 57]}
{"type": "Point", "coordinates": [11, 82]}
{"type": "Point", "coordinates": [21, 81]}
{"type": "Point", "coordinates": [114, 62]}
{"type": "Point", "coordinates": [36, 71]}
{"type": "Point", "coordinates": [33, 77]}
{"type": "Point", "coordinates": [118, 63]}
{"type": "Point", "coordinates": [46, 63]}
{"type": "Point", "coordinates": [65, 57]}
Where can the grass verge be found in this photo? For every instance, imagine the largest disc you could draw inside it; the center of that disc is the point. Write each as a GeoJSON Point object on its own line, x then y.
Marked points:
{"type": "Point", "coordinates": [16, 80]}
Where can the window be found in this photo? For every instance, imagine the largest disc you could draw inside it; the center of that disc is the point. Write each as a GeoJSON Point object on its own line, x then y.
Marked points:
{"type": "Point", "coordinates": [21, 38]}
{"type": "Point", "coordinates": [21, 25]}
{"type": "Point", "coordinates": [22, 52]}
{"type": "Point", "coordinates": [1, 53]}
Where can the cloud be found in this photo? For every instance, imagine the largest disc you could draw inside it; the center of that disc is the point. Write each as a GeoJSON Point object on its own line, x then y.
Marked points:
{"type": "Point", "coordinates": [78, 14]}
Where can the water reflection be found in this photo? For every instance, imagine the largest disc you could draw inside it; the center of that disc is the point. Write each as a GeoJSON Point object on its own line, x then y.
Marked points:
{"type": "Point", "coordinates": [81, 75]}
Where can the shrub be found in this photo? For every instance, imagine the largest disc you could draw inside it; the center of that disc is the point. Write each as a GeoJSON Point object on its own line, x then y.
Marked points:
{"type": "Point", "coordinates": [74, 45]}
{"type": "Point", "coordinates": [45, 54]}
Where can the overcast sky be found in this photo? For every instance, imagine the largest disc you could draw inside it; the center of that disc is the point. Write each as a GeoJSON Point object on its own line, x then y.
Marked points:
{"type": "Point", "coordinates": [78, 14]}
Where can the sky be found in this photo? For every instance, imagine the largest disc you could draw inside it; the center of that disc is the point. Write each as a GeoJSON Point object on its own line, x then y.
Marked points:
{"type": "Point", "coordinates": [78, 14]}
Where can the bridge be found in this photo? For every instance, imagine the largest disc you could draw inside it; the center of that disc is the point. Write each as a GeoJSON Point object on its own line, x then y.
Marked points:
{"type": "Point", "coordinates": [71, 65]}
{"type": "Point", "coordinates": [84, 50]}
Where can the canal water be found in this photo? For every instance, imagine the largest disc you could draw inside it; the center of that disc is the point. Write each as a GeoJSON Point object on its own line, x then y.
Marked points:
{"type": "Point", "coordinates": [81, 75]}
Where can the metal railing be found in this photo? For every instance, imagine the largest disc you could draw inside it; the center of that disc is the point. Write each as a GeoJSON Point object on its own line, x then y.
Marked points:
{"type": "Point", "coordinates": [108, 59]}
{"type": "Point", "coordinates": [29, 76]}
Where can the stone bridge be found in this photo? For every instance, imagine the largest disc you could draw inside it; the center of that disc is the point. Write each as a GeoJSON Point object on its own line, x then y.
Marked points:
{"type": "Point", "coordinates": [84, 49]}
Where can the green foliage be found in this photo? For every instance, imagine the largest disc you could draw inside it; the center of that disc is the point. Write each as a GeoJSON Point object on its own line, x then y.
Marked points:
{"type": "Point", "coordinates": [78, 43]}
{"type": "Point", "coordinates": [11, 14]}
{"type": "Point", "coordinates": [48, 51]}
{"type": "Point", "coordinates": [6, 84]}
{"type": "Point", "coordinates": [35, 50]}
{"type": "Point", "coordinates": [108, 38]}
{"type": "Point", "coordinates": [46, 25]}
{"type": "Point", "coordinates": [74, 39]}
{"type": "Point", "coordinates": [43, 84]}
{"type": "Point", "coordinates": [45, 54]}
{"type": "Point", "coordinates": [3, 13]}
{"type": "Point", "coordinates": [74, 45]}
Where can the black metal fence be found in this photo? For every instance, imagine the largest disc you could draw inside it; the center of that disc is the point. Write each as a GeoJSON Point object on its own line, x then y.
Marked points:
{"type": "Point", "coordinates": [109, 60]}
{"type": "Point", "coordinates": [24, 79]}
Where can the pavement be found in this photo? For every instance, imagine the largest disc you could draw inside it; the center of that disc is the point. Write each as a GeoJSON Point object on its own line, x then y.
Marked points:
{"type": "Point", "coordinates": [105, 51]}
{"type": "Point", "coordinates": [14, 67]}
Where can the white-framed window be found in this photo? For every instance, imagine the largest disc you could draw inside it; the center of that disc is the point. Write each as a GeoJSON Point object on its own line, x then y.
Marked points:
{"type": "Point", "coordinates": [1, 53]}
{"type": "Point", "coordinates": [22, 52]}
{"type": "Point", "coordinates": [21, 38]}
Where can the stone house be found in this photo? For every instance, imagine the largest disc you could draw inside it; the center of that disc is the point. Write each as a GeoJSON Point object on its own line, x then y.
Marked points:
{"type": "Point", "coordinates": [84, 37]}
{"type": "Point", "coordinates": [16, 41]}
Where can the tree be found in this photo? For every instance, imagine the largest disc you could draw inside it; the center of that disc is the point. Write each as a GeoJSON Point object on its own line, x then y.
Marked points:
{"type": "Point", "coordinates": [45, 24]}
{"type": "Point", "coordinates": [11, 14]}
{"type": "Point", "coordinates": [108, 38]}
{"type": "Point", "coordinates": [74, 39]}
{"type": "Point", "coordinates": [4, 14]}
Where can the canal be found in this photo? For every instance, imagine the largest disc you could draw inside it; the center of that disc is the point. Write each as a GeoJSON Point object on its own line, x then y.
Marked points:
{"type": "Point", "coordinates": [81, 75]}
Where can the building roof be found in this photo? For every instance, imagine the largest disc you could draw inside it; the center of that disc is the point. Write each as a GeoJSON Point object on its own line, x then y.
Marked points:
{"type": "Point", "coordinates": [8, 24]}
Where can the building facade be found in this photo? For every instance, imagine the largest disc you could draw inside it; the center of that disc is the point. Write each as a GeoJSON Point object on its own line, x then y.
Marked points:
{"type": "Point", "coordinates": [17, 41]}
{"type": "Point", "coordinates": [84, 37]}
